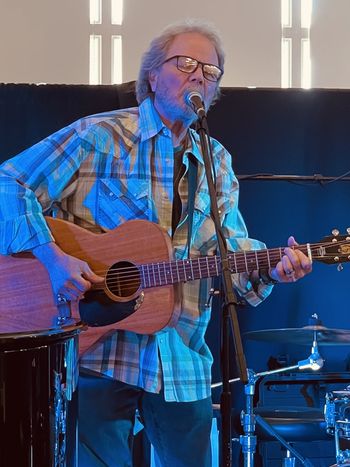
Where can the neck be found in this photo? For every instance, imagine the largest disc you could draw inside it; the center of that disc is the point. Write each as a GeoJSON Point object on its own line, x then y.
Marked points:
{"type": "Point", "coordinates": [178, 126]}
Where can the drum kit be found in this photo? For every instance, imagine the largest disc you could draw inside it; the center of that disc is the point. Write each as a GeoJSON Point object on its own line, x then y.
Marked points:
{"type": "Point", "coordinates": [38, 397]}
{"type": "Point", "coordinates": [337, 403]}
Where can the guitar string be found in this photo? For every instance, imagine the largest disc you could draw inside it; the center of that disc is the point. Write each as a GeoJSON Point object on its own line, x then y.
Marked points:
{"type": "Point", "coordinates": [240, 258]}
{"type": "Point", "coordinates": [160, 277]}
{"type": "Point", "coordinates": [162, 271]}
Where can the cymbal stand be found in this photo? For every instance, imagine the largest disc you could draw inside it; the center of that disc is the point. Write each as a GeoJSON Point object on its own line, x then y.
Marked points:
{"type": "Point", "coordinates": [248, 440]}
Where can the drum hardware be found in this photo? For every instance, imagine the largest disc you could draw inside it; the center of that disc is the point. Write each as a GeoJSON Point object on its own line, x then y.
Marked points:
{"type": "Point", "coordinates": [337, 408]}
{"type": "Point", "coordinates": [249, 419]}
{"type": "Point", "coordinates": [337, 416]}
{"type": "Point", "coordinates": [39, 427]}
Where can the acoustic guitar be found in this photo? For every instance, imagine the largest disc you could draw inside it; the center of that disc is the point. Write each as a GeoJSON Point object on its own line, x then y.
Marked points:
{"type": "Point", "coordinates": [141, 277]}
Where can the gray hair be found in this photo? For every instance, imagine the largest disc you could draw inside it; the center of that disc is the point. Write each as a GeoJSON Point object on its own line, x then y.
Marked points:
{"type": "Point", "coordinates": [154, 57]}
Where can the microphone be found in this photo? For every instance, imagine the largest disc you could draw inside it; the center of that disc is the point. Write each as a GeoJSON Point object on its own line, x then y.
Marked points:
{"type": "Point", "coordinates": [195, 100]}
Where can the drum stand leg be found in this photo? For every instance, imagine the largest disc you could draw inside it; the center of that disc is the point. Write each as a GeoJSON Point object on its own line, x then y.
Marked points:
{"type": "Point", "coordinates": [249, 420]}
{"type": "Point", "coordinates": [248, 440]}
{"type": "Point", "coordinates": [288, 461]}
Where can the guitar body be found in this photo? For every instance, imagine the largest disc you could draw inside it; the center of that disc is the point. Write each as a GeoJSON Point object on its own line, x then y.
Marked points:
{"type": "Point", "coordinates": [26, 299]}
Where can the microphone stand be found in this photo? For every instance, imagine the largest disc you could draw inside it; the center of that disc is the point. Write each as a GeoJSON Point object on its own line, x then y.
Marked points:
{"type": "Point", "coordinates": [230, 302]}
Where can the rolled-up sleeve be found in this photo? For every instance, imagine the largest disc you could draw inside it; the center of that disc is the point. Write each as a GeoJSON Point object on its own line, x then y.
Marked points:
{"type": "Point", "coordinates": [29, 185]}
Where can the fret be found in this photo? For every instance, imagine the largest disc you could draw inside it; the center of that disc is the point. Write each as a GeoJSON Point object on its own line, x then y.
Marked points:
{"type": "Point", "coordinates": [171, 273]}
{"type": "Point", "coordinates": [149, 277]}
{"type": "Point", "coordinates": [160, 279]}
{"type": "Point", "coordinates": [177, 270]}
{"type": "Point", "coordinates": [143, 276]}
{"type": "Point", "coordinates": [199, 268]}
{"type": "Point", "coordinates": [235, 260]}
{"type": "Point", "coordinates": [154, 275]}
{"type": "Point", "coordinates": [216, 265]}
{"type": "Point", "coordinates": [190, 261]}
{"type": "Point", "coordinates": [256, 260]}
{"type": "Point", "coordinates": [184, 268]}
{"type": "Point", "coordinates": [207, 262]}
{"type": "Point", "coordinates": [165, 273]}
{"type": "Point", "coordinates": [245, 260]}
{"type": "Point", "coordinates": [281, 253]}
{"type": "Point", "coordinates": [268, 258]}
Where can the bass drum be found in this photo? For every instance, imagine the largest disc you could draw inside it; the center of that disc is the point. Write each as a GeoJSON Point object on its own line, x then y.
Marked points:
{"type": "Point", "coordinates": [38, 397]}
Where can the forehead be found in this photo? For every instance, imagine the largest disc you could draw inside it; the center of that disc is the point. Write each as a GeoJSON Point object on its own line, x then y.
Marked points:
{"type": "Point", "coordinates": [194, 45]}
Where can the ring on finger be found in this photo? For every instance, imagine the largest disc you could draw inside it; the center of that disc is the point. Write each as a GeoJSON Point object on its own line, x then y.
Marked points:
{"type": "Point", "coordinates": [61, 298]}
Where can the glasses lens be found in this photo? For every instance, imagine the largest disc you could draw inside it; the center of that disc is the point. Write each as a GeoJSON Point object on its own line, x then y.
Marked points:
{"type": "Point", "coordinates": [189, 65]}
{"type": "Point", "coordinates": [186, 64]}
{"type": "Point", "coordinates": [211, 72]}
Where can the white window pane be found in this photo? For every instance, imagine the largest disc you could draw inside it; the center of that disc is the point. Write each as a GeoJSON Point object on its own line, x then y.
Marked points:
{"type": "Point", "coordinates": [117, 63]}
{"type": "Point", "coordinates": [117, 11]}
{"type": "Point", "coordinates": [95, 11]}
{"type": "Point", "coordinates": [306, 13]}
{"type": "Point", "coordinates": [305, 64]}
{"type": "Point", "coordinates": [95, 59]}
{"type": "Point", "coordinates": [286, 63]}
{"type": "Point", "coordinates": [286, 13]}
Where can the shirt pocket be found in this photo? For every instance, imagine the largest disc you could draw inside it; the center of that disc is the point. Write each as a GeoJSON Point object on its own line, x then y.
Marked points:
{"type": "Point", "coordinates": [121, 200]}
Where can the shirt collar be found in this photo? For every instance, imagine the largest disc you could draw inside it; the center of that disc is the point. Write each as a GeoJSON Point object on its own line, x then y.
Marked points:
{"type": "Point", "coordinates": [150, 121]}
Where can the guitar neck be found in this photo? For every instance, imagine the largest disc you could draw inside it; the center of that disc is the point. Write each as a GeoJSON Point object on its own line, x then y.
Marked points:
{"type": "Point", "coordinates": [166, 273]}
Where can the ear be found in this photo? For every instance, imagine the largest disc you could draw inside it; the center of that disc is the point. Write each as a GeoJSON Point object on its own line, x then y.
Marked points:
{"type": "Point", "coordinates": [153, 79]}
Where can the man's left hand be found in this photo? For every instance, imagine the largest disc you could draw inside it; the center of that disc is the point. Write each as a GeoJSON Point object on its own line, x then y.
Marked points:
{"type": "Point", "coordinates": [293, 266]}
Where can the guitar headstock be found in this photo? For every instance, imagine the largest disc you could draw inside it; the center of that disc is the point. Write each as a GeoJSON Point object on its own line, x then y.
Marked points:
{"type": "Point", "coordinates": [333, 249]}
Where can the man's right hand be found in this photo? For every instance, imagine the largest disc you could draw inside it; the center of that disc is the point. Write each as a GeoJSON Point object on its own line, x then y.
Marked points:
{"type": "Point", "coordinates": [70, 277]}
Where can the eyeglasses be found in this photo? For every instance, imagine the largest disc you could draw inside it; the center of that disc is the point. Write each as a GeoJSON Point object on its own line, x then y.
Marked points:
{"type": "Point", "coordinates": [190, 65]}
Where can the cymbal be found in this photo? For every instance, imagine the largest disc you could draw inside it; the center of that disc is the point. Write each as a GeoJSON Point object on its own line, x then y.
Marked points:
{"type": "Point", "coordinates": [304, 335]}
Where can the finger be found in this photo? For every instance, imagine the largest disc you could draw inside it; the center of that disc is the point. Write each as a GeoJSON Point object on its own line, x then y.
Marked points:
{"type": "Point", "coordinates": [91, 276]}
{"type": "Point", "coordinates": [71, 293]}
{"type": "Point", "coordinates": [287, 265]}
{"type": "Point", "coordinates": [294, 258]}
{"type": "Point", "coordinates": [304, 260]}
{"type": "Point", "coordinates": [79, 283]}
{"type": "Point", "coordinates": [292, 241]}
{"type": "Point", "coordinates": [288, 271]}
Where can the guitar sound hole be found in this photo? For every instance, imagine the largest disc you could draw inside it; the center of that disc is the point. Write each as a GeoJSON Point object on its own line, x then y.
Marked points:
{"type": "Point", "coordinates": [123, 279]}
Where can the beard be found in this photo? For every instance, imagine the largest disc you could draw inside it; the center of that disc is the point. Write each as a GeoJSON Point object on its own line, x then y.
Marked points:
{"type": "Point", "coordinates": [173, 108]}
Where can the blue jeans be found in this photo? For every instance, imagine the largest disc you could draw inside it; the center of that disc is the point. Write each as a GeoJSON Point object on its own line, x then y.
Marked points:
{"type": "Point", "coordinates": [179, 431]}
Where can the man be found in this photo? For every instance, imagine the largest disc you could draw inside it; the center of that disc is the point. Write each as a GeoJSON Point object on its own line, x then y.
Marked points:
{"type": "Point", "coordinates": [103, 171]}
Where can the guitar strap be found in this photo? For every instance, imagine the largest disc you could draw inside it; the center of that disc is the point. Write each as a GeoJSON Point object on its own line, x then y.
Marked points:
{"type": "Point", "coordinates": [192, 187]}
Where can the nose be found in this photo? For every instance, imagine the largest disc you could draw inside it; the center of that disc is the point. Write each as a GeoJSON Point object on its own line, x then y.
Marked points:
{"type": "Point", "coordinates": [197, 75]}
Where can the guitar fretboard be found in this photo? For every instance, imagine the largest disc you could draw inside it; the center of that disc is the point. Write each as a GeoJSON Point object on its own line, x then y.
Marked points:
{"type": "Point", "coordinates": [166, 273]}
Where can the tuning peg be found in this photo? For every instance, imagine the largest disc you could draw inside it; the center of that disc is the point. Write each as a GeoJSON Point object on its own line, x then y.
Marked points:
{"type": "Point", "coordinates": [340, 267]}
{"type": "Point", "coordinates": [335, 232]}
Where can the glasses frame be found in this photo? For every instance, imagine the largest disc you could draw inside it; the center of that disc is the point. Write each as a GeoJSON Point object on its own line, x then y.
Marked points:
{"type": "Point", "coordinates": [196, 67]}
